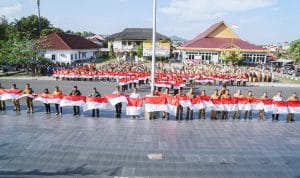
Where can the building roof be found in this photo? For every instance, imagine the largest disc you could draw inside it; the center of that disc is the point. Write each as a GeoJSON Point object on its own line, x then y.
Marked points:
{"type": "Point", "coordinates": [63, 41]}
{"type": "Point", "coordinates": [219, 36]}
{"type": "Point", "coordinates": [136, 34]}
{"type": "Point", "coordinates": [96, 37]}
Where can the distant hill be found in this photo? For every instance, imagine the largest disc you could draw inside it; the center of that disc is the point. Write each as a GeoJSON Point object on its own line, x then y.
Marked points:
{"type": "Point", "coordinates": [177, 38]}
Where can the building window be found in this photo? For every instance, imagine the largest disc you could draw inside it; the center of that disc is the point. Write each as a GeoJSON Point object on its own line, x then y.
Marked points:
{"type": "Point", "coordinates": [53, 57]}
{"type": "Point", "coordinates": [129, 43]}
{"type": "Point", "coordinates": [71, 56]}
{"type": "Point", "coordinates": [75, 56]}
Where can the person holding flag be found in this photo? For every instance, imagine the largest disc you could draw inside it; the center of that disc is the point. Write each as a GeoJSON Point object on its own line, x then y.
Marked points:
{"type": "Point", "coordinates": [134, 95]}
{"type": "Point", "coordinates": [238, 95]}
{"type": "Point", "coordinates": [250, 96]}
{"type": "Point", "coordinates": [202, 111]}
{"type": "Point", "coordinates": [189, 112]}
{"type": "Point", "coordinates": [214, 96]}
{"type": "Point", "coordinates": [179, 108]}
{"type": "Point", "coordinates": [29, 103]}
{"type": "Point", "coordinates": [262, 113]}
{"type": "Point", "coordinates": [95, 93]}
{"type": "Point", "coordinates": [47, 105]}
{"type": "Point", "coordinates": [291, 116]}
{"type": "Point", "coordinates": [226, 95]}
{"type": "Point", "coordinates": [118, 106]}
{"type": "Point", "coordinates": [57, 92]}
{"type": "Point", "coordinates": [16, 101]}
{"type": "Point", "coordinates": [277, 97]}
{"type": "Point", "coordinates": [75, 92]}
{"type": "Point", "coordinates": [2, 102]}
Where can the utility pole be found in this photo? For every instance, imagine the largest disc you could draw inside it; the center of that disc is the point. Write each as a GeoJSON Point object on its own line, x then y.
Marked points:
{"type": "Point", "coordinates": [39, 15]}
{"type": "Point", "coordinates": [153, 46]}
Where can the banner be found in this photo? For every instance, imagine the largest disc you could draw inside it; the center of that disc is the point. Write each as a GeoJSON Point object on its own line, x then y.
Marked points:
{"type": "Point", "coordinates": [134, 106]}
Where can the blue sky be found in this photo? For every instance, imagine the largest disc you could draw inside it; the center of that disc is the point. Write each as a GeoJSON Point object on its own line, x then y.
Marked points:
{"type": "Point", "coordinates": [259, 21]}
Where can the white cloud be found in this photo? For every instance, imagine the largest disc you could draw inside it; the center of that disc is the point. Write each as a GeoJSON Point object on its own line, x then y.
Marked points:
{"type": "Point", "coordinates": [208, 9]}
{"type": "Point", "coordinates": [9, 10]}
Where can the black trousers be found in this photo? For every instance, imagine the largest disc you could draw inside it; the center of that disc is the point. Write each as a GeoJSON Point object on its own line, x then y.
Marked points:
{"type": "Point", "coordinates": [76, 110]}
{"type": "Point", "coordinates": [275, 117]}
{"type": "Point", "coordinates": [95, 111]}
{"type": "Point", "coordinates": [58, 109]}
{"type": "Point", "coordinates": [47, 107]}
{"type": "Point", "coordinates": [118, 107]}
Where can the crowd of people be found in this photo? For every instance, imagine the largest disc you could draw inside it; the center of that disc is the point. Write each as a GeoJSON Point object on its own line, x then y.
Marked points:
{"type": "Point", "coordinates": [215, 114]}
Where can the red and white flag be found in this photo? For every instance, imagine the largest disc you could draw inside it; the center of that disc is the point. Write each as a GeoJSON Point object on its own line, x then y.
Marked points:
{"type": "Point", "coordinates": [197, 104]}
{"type": "Point", "coordinates": [184, 101]}
{"type": "Point", "coordinates": [207, 103]}
{"type": "Point", "coordinates": [41, 98]}
{"type": "Point", "coordinates": [172, 105]}
{"type": "Point", "coordinates": [256, 104]}
{"type": "Point", "coordinates": [95, 103]}
{"type": "Point", "coordinates": [73, 101]}
{"type": "Point", "coordinates": [294, 106]}
{"type": "Point", "coordinates": [8, 94]}
{"type": "Point", "coordinates": [280, 107]}
{"type": "Point", "coordinates": [54, 99]}
{"type": "Point", "coordinates": [155, 103]}
{"type": "Point", "coordinates": [244, 104]}
{"type": "Point", "coordinates": [218, 106]}
{"type": "Point", "coordinates": [26, 95]}
{"type": "Point", "coordinates": [230, 104]}
{"type": "Point", "coordinates": [134, 106]}
{"type": "Point", "coordinates": [268, 105]}
{"type": "Point", "coordinates": [114, 99]}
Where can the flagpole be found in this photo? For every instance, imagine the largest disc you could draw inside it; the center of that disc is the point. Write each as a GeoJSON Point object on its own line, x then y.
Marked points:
{"type": "Point", "coordinates": [153, 46]}
{"type": "Point", "coordinates": [39, 15]}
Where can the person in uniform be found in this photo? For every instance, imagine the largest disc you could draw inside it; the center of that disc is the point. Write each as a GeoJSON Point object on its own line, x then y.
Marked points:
{"type": "Point", "coordinates": [238, 95]}
{"type": "Point", "coordinates": [16, 101]}
{"type": "Point", "coordinates": [262, 113]}
{"type": "Point", "coordinates": [226, 95]}
{"type": "Point", "coordinates": [249, 112]}
{"type": "Point", "coordinates": [2, 102]}
{"type": "Point", "coordinates": [291, 116]}
{"type": "Point", "coordinates": [202, 111]}
{"type": "Point", "coordinates": [47, 105]}
{"type": "Point", "coordinates": [57, 92]}
{"type": "Point", "coordinates": [134, 94]}
{"type": "Point", "coordinates": [166, 94]}
{"type": "Point", "coordinates": [118, 106]}
{"type": "Point", "coordinates": [29, 101]}
{"type": "Point", "coordinates": [214, 96]}
{"type": "Point", "coordinates": [179, 108]}
{"type": "Point", "coordinates": [95, 93]}
{"type": "Point", "coordinates": [277, 97]}
{"type": "Point", "coordinates": [75, 92]}
{"type": "Point", "coordinates": [189, 112]}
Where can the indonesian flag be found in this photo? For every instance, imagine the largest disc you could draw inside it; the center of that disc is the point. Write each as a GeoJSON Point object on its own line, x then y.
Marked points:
{"type": "Point", "coordinates": [114, 99]}
{"type": "Point", "coordinates": [244, 104]}
{"type": "Point", "coordinates": [95, 103]}
{"type": "Point", "coordinates": [134, 106]}
{"type": "Point", "coordinates": [280, 107]}
{"type": "Point", "coordinates": [256, 104]}
{"type": "Point", "coordinates": [229, 104]}
{"type": "Point", "coordinates": [184, 101]}
{"type": "Point", "coordinates": [41, 98]}
{"type": "Point", "coordinates": [73, 101]}
{"type": "Point", "coordinates": [26, 95]}
{"type": "Point", "coordinates": [54, 99]}
{"type": "Point", "coordinates": [268, 105]}
{"type": "Point", "coordinates": [8, 94]}
{"type": "Point", "coordinates": [294, 106]}
{"type": "Point", "coordinates": [218, 106]}
{"type": "Point", "coordinates": [155, 103]}
{"type": "Point", "coordinates": [172, 105]}
{"type": "Point", "coordinates": [197, 104]}
{"type": "Point", "coordinates": [207, 103]}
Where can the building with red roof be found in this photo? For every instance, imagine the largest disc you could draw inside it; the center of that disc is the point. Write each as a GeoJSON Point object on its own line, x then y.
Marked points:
{"type": "Point", "coordinates": [207, 46]}
{"type": "Point", "coordinates": [67, 48]}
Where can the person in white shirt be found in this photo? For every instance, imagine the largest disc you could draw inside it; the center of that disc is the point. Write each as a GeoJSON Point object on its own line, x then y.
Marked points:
{"type": "Point", "coordinates": [278, 97]}
{"type": "Point", "coordinates": [118, 106]}
{"type": "Point", "coordinates": [134, 94]}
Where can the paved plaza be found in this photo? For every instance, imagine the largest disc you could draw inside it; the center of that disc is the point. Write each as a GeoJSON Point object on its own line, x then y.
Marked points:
{"type": "Point", "coordinates": [39, 145]}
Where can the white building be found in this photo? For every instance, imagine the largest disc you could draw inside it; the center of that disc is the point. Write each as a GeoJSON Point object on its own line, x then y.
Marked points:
{"type": "Point", "coordinates": [67, 48]}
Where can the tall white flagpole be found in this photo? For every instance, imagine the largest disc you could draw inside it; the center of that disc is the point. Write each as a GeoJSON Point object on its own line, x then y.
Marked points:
{"type": "Point", "coordinates": [153, 45]}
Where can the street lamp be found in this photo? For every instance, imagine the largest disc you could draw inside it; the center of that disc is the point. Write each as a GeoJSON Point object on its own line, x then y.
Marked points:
{"type": "Point", "coordinates": [153, 45]}
{"type": "Point", "coordinates": [39, 15]}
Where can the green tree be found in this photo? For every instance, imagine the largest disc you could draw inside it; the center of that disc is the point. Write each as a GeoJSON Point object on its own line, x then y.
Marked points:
{"type": "Point", "coordinates": [235, 57]}
{"type": "Point", "coordinates": [3, 27]}
{"type": "Point", "coordinates": [111, 52]}
{"type": "Point", "coordinates": [140, 50]}
{"type": "Point", "coordinates": [28, 27]}
{"type": "Point", "coordinates": [294, 51]}
{"type": "Point", "coordinates": [47, 31]}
